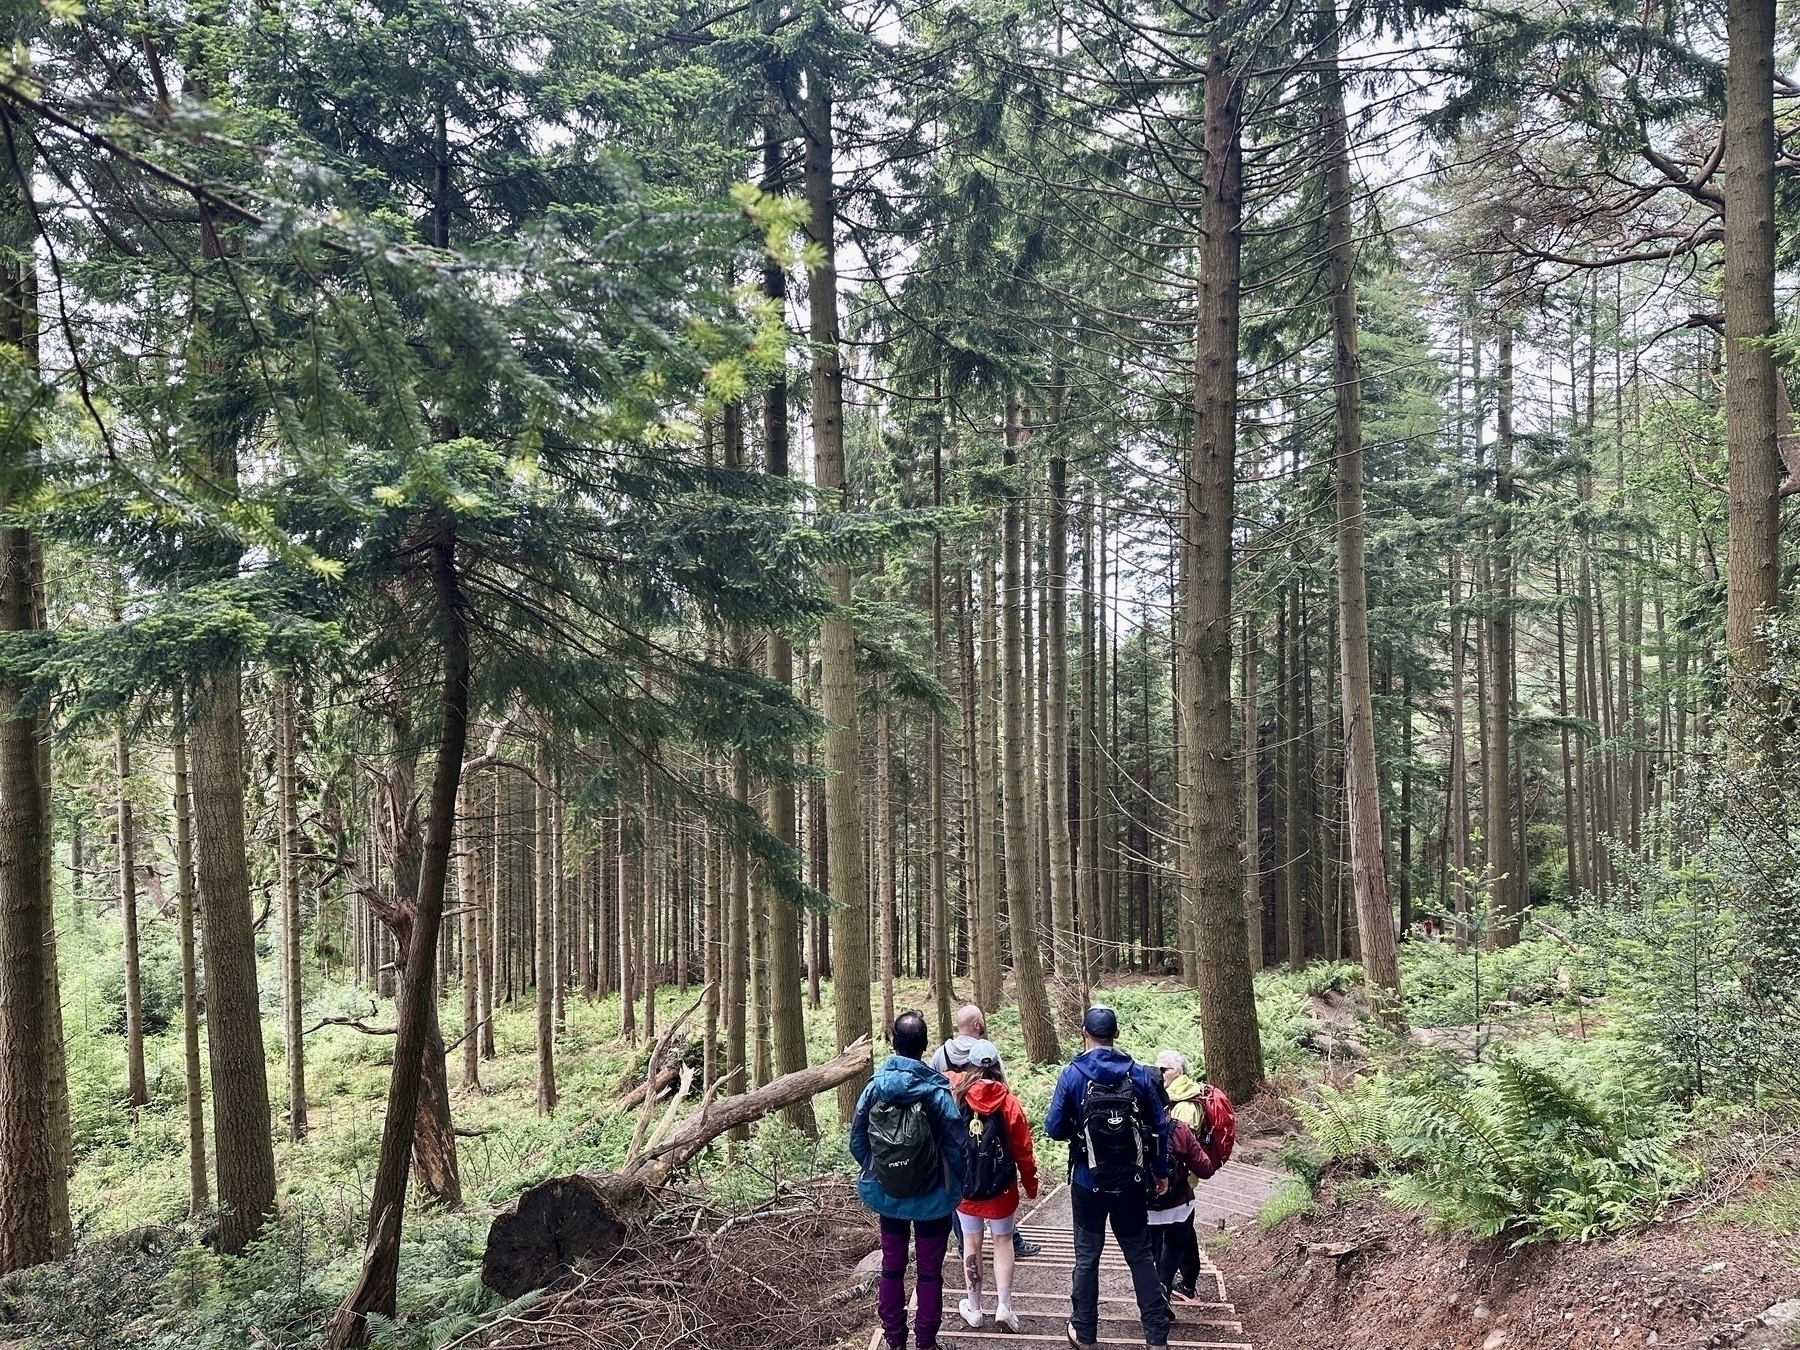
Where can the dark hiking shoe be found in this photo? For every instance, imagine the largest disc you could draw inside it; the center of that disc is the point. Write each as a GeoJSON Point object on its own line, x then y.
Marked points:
{"type": "Point", "coordinates": [1077, 1342]}
{"type": "Point", "coordinates": [1023, 1246]}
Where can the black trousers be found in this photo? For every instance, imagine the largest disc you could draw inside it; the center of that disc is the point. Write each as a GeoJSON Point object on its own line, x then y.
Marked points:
{"type": "Point", "coordinates": [1093, 1211]}
{"type": "Point", "coordinates": [1177, 1250]}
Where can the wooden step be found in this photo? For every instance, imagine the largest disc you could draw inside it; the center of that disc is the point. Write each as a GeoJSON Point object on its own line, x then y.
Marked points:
{"type": "Point", "coordinates": [1041, 1283]}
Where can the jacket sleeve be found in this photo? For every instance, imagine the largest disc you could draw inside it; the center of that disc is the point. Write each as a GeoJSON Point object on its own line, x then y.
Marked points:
{"type": "Point", "coordinates": [1190, 1152]}
{"type": "Point", "coordinates": [859, 1128]}
{"type": "Point", "coordinates": [1018, 1138]}
{"type": "Point", "coordinates": [1060, 1121]}
{"type": "Point", "coordinates": [950, 1133]}
{"type": "Point", "coordinates": [1159, 1118]}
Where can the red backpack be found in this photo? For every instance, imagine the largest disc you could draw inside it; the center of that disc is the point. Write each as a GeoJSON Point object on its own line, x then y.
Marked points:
{"type": "Point", "coordinates": [1218, 1133]}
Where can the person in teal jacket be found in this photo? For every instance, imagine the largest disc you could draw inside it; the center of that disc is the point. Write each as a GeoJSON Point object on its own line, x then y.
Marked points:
{"type": "Point", "coordinates": [923, 1221]}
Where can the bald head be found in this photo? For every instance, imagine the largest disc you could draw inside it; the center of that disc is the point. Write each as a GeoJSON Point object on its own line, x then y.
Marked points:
{"type": "Point", "coordinates": [970, 1022]}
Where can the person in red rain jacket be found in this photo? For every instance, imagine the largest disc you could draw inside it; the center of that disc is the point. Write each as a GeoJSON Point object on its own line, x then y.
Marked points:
{"type": "Point", "coordinates": [986, 1101]}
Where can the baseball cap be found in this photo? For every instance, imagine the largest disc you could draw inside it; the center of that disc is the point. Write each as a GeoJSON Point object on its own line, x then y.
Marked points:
{"type": "Point", "coordinates": [1101, 1022]}
{"type": "Point", "coordinates": [983, 1054]}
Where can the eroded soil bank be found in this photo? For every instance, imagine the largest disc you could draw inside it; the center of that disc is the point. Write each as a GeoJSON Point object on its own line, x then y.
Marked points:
{"type": "Point", "coordinates": [1362, 1276]}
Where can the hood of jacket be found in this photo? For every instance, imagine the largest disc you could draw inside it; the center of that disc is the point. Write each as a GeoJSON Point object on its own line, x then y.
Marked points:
{"type": "Point", "coordinates": [956, 1049]}
{"type": "Point", "coordinates": [987, 1096]}
{"type": "Point", "coordinates": [1102, 1064]}
{"type": "Point", "coordinates": [900, 1079]}
{"type": "Point", "coordinates": [1184, 1089]}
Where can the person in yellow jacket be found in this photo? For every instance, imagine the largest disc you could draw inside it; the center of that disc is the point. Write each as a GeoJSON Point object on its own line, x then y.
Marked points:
{"type": "Point", "coordinates": [1172, 1237]}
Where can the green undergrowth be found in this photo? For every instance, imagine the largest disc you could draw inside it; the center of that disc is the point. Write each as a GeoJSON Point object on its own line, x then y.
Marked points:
{"type": "Point", "coordinates": [1549, 1140]}
{"type": "Point", "coordinates": [144, 1275]}
{"type": "Point", "coordinates": [1548, 1091]}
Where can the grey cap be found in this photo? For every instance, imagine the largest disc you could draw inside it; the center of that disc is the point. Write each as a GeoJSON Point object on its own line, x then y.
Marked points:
{"type": "Point", "coordinates": [983, 1055]}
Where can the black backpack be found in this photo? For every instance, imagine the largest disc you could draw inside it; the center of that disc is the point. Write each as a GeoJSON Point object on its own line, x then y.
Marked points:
{"type": "Point", "coordinates": [1115, 1138]}
{"type": "Point", "coordinates": [903, 1149]}
{"type": "Point", "coordinates": [990, 1171]}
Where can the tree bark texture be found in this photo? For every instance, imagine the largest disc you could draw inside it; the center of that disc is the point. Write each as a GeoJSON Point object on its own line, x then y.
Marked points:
{"type": "Point", "coordinates": [287, 791]}
{"type": "Point", "coordinates": [243, 1152]}
{"type": "Point", "coordinates": [543, 901]}
{"type": "Point", "coordinates": [137, 1085]}
{"type": "Point", "coordinates": [1228, 1026]}
{"type": "Point", "coordinates": [198, 1185]}
{"type": "Point", "coordinates": [837, 640]}
{"type": "Point", "coordinates": [1752, 454]}
{"type": "Point", "coordinates": [1502, 865]}
{"type": "Point", "coordinates": [34, 1210]}
{"type": "Point", "coordinates": [1362, 784]}
{"type": "Point", "coordinates": [1035, 1020]}
{"type": "Point", "coordinates": [1070, 971]}
{"type": "Point", "coordinates": [375, 1290]}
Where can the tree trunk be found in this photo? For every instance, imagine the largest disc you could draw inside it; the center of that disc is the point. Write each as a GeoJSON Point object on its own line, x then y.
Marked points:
{"type": "Point", "coordinates": [1070, 972]}
{"type": "Point", "coordinates": [34, 1206]}
{"type": "Point", "coordinates": [198, 1187]}
{"type": "Point", "coordinates": [1228, 1027]}
{"type": "Point", "coordinates": [787, 1020]}
{"type": "Point", "coordinates": [376, 1289]}
{"type": "Point", "coordinates": [989, 973]}
{"type": "Point", "coordinates": [884, 859]}
{"type": "Point", "coordinates": [543, 921]}
{"type": "Point", "coordinates": [1502, 866]}
{"type": "Point", "coordinates": [1252, 774]}
{"type": "Point", "coordinates": [1754, 464]}
{"type": "Point", "coordinates": [1021, 871]}
{"type": "Point", "coordinates": [737, 951]}
{"type": "Point", "coordinates": [622, 899]}
{"type": "Point", "coordinates": [292, 989]}
{"type": "Point", "coordinates": [245, 1156]}
{"type": "Point", "coordinates": [1287, 679]}
{"type": "Point", "coordinates": [1087, 856]}
{"type": "Point", "coordinates": [837, 640]}
{"type": "Point", "coordinates": [1362, 785]}
{"type": "Point", "coordinates": [488, 930]}
{"type": "Point", "coordinates": [941, 971]}
{"type": "Point", "coordinates": [137, 1084]}
{"type": "Point", "coordinates": [468, 899]}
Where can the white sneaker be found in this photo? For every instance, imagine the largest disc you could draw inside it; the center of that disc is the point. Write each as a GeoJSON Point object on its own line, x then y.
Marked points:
{"type": "Point", "coordinates": [970, 1316]}
{"type": "Point", "coordinates": [1006, 1317]}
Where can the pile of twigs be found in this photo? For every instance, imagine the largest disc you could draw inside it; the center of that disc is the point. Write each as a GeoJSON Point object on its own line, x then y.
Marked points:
{"type": "Point", "coordinates": [774, 1277]}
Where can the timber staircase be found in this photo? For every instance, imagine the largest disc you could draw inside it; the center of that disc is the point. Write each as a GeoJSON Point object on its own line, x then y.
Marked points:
{"type": "Point", "coordinates": [1041, 1282]}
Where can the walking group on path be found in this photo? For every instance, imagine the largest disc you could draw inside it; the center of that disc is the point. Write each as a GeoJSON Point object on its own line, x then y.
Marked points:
{"type": "Point", "coordinates": [945, 1147]}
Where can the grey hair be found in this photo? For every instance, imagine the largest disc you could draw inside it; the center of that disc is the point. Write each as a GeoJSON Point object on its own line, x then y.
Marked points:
{"type": "Point", "coordinates": [1177, 1060]}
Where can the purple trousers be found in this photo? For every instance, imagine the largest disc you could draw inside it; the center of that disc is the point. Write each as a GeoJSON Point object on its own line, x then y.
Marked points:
{"type": "Point", "coordinates": [930, 1237]}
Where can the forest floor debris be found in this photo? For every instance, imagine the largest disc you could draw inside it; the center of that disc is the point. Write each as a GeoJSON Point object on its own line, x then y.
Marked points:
{"type": "Point", "coordinates": [781, 1277]}
{"type": "Point", "coordinates": [1363, 1276]}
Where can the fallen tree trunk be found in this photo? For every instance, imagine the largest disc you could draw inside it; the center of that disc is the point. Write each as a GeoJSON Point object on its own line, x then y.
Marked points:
{"type": "Point", "coordinates": [666, 1078]}
{"type": "Point", "coordinates": [559, 1222]}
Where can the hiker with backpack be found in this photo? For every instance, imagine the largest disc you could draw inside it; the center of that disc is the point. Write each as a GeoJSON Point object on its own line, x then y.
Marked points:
{"type": "Point", "coordinates": [908, 1136]}
{"type": "Point", "coordinates": [1110, 1111]}
{"type": "Point", "coordinates": [998, 1140]}
{"type": "Point", "coordinates": [952, 1059]}
{"type": "Point", "coordinates": [1198, 1144]}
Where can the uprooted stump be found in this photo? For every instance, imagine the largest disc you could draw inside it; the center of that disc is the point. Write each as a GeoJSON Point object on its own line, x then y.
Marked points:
{"type": "Point", "coordinates": [556, 1224]}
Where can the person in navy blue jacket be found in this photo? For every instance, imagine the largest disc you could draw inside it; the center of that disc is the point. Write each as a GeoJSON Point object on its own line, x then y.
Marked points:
{"type": "Point", "coordinates": [1126, 1208]}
